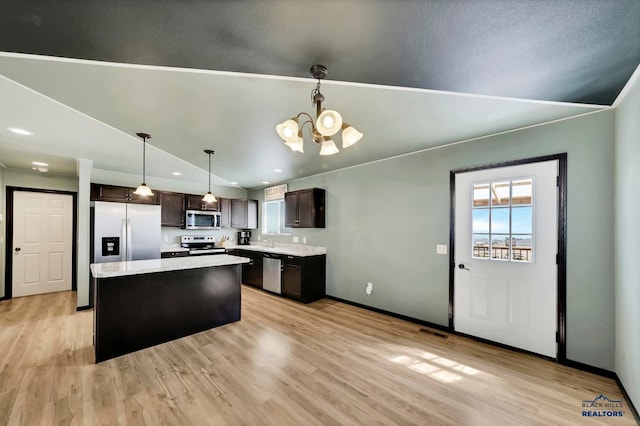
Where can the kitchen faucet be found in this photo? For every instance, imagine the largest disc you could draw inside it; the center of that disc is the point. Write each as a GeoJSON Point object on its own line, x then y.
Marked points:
{"type": "Point", "coordinates": [271, 243]}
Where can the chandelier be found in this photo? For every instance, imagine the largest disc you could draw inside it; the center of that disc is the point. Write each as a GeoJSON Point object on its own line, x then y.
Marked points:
{"type": "Point", "coordinates": [327, 123]}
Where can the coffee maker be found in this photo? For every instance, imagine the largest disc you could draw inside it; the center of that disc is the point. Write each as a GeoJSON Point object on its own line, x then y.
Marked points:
{"type": "Point", "coordinates": [244, 237]}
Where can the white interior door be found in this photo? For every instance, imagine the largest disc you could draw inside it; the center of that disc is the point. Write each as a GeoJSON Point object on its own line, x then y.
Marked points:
{"type": "Point", "coordinates": [505, 276]}
{"type": "Point", "coordinates": [42, 243]}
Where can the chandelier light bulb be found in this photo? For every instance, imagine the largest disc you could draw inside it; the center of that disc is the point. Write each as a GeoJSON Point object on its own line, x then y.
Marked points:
{"type": "Point", "coordinates": [329, 122]}
{"type": "Point", "coordinates": [288, 130]}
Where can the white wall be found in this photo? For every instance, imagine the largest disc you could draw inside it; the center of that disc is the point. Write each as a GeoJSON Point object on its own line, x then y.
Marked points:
{"type": "Point", "coordinates": [627, 238]}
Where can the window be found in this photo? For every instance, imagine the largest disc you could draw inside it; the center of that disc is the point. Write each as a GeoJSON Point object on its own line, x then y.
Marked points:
{"type": "Point", "coordinates": [502, 214]}
{"type": "Point", "coordinates": [273, 218]}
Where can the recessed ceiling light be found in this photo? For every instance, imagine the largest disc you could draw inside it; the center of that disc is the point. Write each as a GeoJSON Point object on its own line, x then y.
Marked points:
{"type": "Point", "coordinates": [19, 131]}
{"type": "Point", "coordinates": [234, 183]}
{"type": "Point", "coordinates": [38, 163]}
{"type": "Point", "coordinates": [277, 170]}
{"type": "Point", "coordinates": [265, 182]}
{"type": "Point", "coordinates": [176, 174]}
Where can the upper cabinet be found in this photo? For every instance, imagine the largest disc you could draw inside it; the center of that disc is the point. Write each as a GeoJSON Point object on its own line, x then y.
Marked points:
{"type": "Point", "coordinates": [304, 208]}
{"type": "Point", "coordinates": [225, 212]}
{"type": "Point", "coordinates": [172, 207]}
{"type": "Point", "coordinates": [120, 194]}
{"type": "Point", "coordinates": [194, 202]}
{"type": "Point", "coordinates": [244, 214]}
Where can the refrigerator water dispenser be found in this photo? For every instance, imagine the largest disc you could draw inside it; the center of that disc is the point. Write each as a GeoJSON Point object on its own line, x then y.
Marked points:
{"type": "Point", "coordinates": [110, 246]}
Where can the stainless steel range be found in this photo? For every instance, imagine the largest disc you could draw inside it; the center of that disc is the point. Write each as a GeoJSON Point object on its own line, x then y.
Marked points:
{"type": "Point", "coordinates": [200, 244]}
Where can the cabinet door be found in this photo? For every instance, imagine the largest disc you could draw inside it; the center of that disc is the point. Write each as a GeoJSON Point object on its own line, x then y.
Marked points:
{"type": "Point", "coordinates": [239, 214]}
{"type": "Point", "coordinates": [292, 280]}
{"type": "Point", "coordinates": [254, 272]}
{"type": "Point", "coordinates": [172, 205]}
{"type": "Point", "coordinates": [306, 209]}
{"type": "Point", "coordinates": [225, 212]}
{"type": "Point", "coordinates": [144, 199]}
{"type": "Point", "coordinates": [194, 202]}
{"type": "Point", "coordinates": [291, 209]}
{"type": "Point", "coordinates": [101, 192]}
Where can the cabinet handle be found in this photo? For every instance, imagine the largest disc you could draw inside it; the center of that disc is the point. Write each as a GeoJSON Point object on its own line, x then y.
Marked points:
{"type": "Point", "coordinates": [100, 193]}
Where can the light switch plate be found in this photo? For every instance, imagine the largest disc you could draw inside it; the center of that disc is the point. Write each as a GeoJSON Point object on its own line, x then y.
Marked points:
{"type": "Point", "coordinates": [295, 239]}
{"type": "Point", "coordinates": [304, 240]}
{"type": "Point", "coordinates": [441, 249]}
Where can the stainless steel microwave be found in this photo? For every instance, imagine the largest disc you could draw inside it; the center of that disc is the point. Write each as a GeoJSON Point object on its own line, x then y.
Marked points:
{"type": "Point", "coordinates": [202, 219]}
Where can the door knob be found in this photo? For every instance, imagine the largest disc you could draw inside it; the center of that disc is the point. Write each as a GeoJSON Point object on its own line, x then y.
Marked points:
{"type": "Point", "coordinates": [18, 249]}
{"type": "Point", "coordinates": [461, 266]}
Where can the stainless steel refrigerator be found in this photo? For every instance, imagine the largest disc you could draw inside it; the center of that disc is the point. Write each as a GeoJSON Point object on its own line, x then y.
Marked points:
{"type": "Point", "coordinates": [124, 232]}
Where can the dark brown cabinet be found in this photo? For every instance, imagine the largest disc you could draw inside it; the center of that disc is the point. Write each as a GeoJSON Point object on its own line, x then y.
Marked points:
{"type": "Point", "coordinates": [120, 194]}
{"type": "Point", "coordinates": [195, 202]}
{"type": "Point", "coordinates": [225, 212]}
{"type": "Point", "coordinates": [304, 278]}
{"type": "Point", "coordinates": [170, 254]}
{"type": "Point", "coordinates": [172, 207]}
{"type": "Point", "coordinates": [305, 208]}
{"type": "Point", "coordinates": [252, 271]}
{"type": "Point", "coordinates": [244, 214]}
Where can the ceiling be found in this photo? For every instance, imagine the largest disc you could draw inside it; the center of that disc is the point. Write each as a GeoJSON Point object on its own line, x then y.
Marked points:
{"type": "Point", "coordinates": [84, 77]}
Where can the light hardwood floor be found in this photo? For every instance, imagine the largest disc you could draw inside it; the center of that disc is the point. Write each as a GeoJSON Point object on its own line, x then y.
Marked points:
{"type": "Point", "coordinates": [284, 363]}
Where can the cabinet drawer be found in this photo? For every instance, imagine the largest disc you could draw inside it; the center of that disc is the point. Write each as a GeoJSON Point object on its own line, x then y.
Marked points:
{"type": "Point", "coordinates": [291, 260]}
{"type": "Point", "coordinates": [167, 254]}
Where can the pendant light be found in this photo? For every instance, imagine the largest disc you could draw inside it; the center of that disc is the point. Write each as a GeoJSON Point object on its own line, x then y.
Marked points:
{"type": "Point", "coordinates": [208, 197]}
{"type": "Point", "coordinates": [143, 189]}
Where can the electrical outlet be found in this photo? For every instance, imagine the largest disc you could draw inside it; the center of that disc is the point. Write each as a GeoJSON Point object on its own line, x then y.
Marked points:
{"type": "Point", "coordinates": [166, 238]}
{"type": "Point", "coordinates": [369, 289]}
{"type": "Point", "coordinates": [295, 239]}
{"type": "Point", "coordinates": [441, 249]}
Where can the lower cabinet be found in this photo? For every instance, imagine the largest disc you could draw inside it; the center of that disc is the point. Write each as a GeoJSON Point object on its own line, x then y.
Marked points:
{"type": "Point", "coordinates": [252, 271]}
{"type": "Point", "coordinates": [304, 278]}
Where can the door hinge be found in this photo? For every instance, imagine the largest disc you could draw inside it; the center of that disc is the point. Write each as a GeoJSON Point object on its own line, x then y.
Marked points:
{"type": "Point", "coordinates": [558, 181]}
{"type": "Point", "coordinates": [557, 337]}
{"type": "Point", "coordinates": [557, 259]}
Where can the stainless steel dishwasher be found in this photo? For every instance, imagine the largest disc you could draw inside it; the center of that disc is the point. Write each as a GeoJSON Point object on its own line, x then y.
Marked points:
{"type": "Point", "coordinates": [272, 272]}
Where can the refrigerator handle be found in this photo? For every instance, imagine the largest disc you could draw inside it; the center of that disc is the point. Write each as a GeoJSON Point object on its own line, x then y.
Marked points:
{"type": "Point", "coordinates": [123, 235]}
{"type": "Point", "coordinates": [129, 248]}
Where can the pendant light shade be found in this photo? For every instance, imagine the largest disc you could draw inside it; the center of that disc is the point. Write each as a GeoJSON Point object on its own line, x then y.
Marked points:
{"type": "Point", "coordinates": [209, 197]}
{"type": "Point", "coordinates": [329, 122]}
{"type": "Point", "coordinates": [328, 147]}
{"type": "Point", "coordinates": [143, 189]}
{"type": "Point", "coordinates": [297, 144]}
{"type": "Point", "coordinates": [349, 135]}
{"type": "Point", "coordinates": [288, 130]}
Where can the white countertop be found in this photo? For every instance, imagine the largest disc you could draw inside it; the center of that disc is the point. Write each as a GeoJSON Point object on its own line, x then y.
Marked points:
{"type": "Point", "coordinates": [136, 267]}
{"type": "Point", "coordinates": [282, 248]}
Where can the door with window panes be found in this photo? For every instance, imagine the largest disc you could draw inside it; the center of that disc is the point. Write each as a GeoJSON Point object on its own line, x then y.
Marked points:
{"type": "Point", "coordinates": [505, 276]}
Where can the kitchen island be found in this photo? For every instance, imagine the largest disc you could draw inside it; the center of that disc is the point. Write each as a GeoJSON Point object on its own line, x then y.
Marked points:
{"type": "Point", "coordinates": [143, 303]}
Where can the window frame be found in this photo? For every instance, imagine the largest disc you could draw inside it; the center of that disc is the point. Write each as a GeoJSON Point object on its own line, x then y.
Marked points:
{"type": "Point", "coordinates": [511, 235]}
{"type": "Point", "coordinates": [281, 221]}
